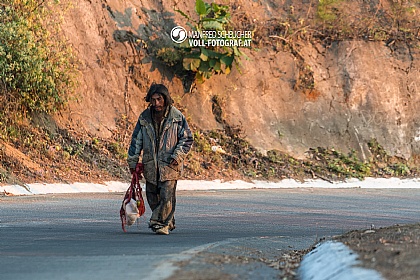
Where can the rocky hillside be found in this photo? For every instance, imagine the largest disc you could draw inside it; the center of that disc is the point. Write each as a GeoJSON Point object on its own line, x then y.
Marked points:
{"type": "Point", "coordinates": [339, 75]}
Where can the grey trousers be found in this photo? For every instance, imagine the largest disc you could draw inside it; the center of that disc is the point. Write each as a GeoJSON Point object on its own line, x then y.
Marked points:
{"type": "Point", "coordinates": [162, 201]}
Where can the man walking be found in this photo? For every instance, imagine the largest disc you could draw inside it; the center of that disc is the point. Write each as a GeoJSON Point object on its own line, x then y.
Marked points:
{"type": "Point", "coordinates": [163, 134]}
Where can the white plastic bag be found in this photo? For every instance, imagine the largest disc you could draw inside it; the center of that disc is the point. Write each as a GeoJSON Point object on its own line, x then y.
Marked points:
{"type": "Point", "coordinates": [132, 212]}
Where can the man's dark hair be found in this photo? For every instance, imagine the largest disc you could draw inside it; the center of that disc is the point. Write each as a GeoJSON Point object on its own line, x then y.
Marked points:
{"type": "Point", "coordinates": [160, 89]}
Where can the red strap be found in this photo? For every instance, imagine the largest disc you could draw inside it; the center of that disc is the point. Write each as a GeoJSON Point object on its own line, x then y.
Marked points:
{"type": "Point", "coordinates": [135, 185]}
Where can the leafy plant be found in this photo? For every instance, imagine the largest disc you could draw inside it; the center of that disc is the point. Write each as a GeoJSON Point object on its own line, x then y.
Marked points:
{"type": "Point", "coordinates": [201, 143]}
{"type": "Point", "coordinates": [378, 152]}
{"type": "Point", "coordinates": [401, 169]}
{"type": "Point", "coordinates": [36, 69]}
{"type": "Point", "coordinates": [117, 149]}
{"type": "Point", "coordinates": [386, 164]}
{"type": "Point", "coordinates": [169, 55]}
{"type": "Point", "coordinates": [342, 165]}
{"type": "Point", "coordinates": [325, 10]}
{"type": "Point", "coordinates": [209, 59]}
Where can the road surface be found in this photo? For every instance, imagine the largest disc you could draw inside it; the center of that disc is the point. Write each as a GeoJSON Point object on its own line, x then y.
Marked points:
{"type": "Point", "coordinates": [227, 233]}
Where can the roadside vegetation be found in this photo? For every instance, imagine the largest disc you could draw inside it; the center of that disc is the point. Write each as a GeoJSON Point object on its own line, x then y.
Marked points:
{"type": "Point", "coordinates": [38, 73]}
{"type": "Point", "coordinates": [329, 21]}
{"type": "Point", "coordinates": [226, 155]}
{"type": "Point", "coordinates": [37, 65]}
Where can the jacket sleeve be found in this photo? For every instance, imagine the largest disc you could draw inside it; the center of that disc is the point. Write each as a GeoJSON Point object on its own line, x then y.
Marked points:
{"type": "Point", "coordinates": [136, 146]}
{"type": "Point", "coordinates": [185, 141]}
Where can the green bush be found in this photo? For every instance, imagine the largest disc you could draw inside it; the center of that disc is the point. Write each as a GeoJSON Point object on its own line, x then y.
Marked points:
{"type": "Point", "coordinates": [36, 66]}
{"type": "Point", "coordinates": [208, 60]}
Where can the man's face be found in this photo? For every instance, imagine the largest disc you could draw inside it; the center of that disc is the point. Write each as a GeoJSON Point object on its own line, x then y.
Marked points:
{"type": "Point", "coordinates": [158, 102]}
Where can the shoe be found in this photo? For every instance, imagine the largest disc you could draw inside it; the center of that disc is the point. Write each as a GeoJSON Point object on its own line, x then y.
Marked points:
{"type": "Point", "coordinates": [153, 225]}
{"type": "Point", "coordinates": [163, 230]}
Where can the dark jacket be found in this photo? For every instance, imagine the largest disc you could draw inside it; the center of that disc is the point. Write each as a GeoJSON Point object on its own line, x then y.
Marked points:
{"type": "Point", "coordinates": [175, 143]}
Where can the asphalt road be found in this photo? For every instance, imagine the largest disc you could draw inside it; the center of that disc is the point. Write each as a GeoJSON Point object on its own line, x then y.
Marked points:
{"type": "Point", "coordinates": [79, 236]}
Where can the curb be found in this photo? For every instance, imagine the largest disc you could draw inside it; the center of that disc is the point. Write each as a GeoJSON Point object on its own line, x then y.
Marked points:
{"type": "Point", "coordinates": [201, 185]}
{"type": "Point", "coordinates": [334, 261]}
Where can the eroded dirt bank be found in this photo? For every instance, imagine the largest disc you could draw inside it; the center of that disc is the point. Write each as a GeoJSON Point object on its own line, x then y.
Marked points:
{"type": "Point", "coordinates": [359, 89]}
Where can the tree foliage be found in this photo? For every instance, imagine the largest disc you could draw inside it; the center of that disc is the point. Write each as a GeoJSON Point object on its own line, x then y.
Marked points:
{"type": "Point", "coordinates": [36, 65]}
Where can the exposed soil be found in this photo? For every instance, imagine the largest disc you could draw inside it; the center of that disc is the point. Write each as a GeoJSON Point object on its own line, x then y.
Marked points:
{"type": "Point", "coordinates": [392, 251]}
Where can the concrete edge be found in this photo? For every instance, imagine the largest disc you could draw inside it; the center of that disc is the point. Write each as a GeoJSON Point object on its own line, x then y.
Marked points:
{"type": "Point", "coordinates": [334, 261]}
{"type": "Point", "coordinates": [196, 185]}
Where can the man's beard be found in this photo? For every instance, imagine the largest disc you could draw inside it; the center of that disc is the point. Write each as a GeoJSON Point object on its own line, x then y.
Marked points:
{"type": "Point", "coordinates": [159, 112]}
